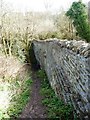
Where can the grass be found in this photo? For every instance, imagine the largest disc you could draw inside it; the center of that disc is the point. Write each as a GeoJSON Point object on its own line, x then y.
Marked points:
{"type": "Point", "coordinates": [55, 107]}
{"type": "Point", "coordinates": [19, 94]}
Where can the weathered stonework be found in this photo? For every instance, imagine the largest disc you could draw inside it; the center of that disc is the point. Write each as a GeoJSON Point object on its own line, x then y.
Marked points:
{"type": "Point", "coordinates": [67, 64]}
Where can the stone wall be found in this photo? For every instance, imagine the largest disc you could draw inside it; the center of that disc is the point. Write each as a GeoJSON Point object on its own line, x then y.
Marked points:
{"type": "Point", "coordinates": [67, 64]}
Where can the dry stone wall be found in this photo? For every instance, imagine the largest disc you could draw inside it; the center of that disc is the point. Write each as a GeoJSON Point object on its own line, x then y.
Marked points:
{"type": "Point", "coordinates": [67, 64]}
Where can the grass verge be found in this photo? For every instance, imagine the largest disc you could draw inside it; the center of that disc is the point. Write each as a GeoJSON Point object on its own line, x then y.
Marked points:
{"type": "Point", "coordinates": [19, 94]}
{"type": "Point", "coordinates": [56, 108]}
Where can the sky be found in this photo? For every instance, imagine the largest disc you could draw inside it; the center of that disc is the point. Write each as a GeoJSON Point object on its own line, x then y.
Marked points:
{"type": "Point", "coordinates": [40, 5]}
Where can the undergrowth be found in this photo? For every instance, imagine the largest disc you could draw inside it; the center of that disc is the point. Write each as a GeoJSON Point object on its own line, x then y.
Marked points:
{"type": "Point", "coordinates": [19, 95]}
{"type": "Point", "coordinates": [55, 107]}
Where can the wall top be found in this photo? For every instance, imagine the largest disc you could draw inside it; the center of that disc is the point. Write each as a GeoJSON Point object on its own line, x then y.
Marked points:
{"type": "Point", "coordinates": [80, 47]}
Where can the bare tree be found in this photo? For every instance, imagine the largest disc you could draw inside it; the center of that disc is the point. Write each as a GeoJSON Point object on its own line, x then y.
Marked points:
{"type": "Point", "coordinates": [47, 4]}
{"type": "Point", "coordinates": [5, 36]}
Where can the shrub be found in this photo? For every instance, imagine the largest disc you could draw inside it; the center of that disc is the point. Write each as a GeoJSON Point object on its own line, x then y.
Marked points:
{"type": "Point", "coordinates": [65, 28]}
{"type": "Point", "coordinates": [78, 14]}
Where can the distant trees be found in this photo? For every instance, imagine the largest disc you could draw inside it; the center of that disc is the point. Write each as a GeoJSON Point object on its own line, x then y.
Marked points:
{"type": "Point", "coordinates": [89, 11]}
{"type": "Point", "coordinates": [17, 30]}
{"type": "Point", "coordinates": [6, 31]}
{"type": "Point", "coordinates": [65, 28]}
{"type": "Point", "coordinates": [77, 13]}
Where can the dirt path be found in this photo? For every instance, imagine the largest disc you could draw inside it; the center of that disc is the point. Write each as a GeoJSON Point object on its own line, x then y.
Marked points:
{"type": "Point", "coordinates": [34, 108]}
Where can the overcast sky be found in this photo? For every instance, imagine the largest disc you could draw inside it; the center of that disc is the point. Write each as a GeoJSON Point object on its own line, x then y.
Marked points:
{"type": "Point", "coordinates": [39, 5]}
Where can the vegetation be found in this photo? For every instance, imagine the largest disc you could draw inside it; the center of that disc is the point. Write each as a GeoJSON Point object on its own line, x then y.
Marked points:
{"type": "Point", "coordinates": [17, 31]}
{"type": "Point", "coordinates": [77, 13]}
{"type": "Point", "coordinates": [19, 100]}
{"type": "Point", "coordinates": [65, 28]}
{"type": "Point", "coordinates": [56, 108]}
{"type": "Point", "coordinates": [15, 94]}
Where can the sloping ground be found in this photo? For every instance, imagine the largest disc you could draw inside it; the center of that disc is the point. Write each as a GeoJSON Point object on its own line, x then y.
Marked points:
{"type": "Point", "coordinates": [21, 99]}
{"type": "Point", "coordinates": [9, 66]}
{"type": "Point", "coordinates": [34, 108]}
{"type": "Point", "coordinates": [13, 78]}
